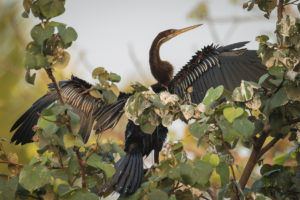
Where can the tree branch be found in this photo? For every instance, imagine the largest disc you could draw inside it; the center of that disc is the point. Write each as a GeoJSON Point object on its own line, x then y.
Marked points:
{"type": "Point", "coordinates": [280, 8]}
{"type": "Point", "coordinates": [293, 121]}
{"type": "Point", "coordinates": [268, 146]}
{"type": "Point", "coordinates": [82, 164]}
{"type": "Point", "coordinates": [255, 155]}
{"type": "Point", "coordinates": [50, 75]}
{"type": "Point", "coordinates": [11, 163]}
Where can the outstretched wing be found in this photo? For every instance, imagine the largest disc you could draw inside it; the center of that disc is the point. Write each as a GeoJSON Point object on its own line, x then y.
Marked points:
{"type": "Point", "coordinates": [86, 106]}
{"type": "Point", "coordinates": [214, 66]}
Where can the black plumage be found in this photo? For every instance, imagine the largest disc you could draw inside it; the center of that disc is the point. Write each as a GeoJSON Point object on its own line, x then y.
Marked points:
{"type": "Point", "coordinates": [210, 67]}
{"type": "Point", "coordinates": [86, 106]}
{"type": "Point", "coordinates": [214, 66]}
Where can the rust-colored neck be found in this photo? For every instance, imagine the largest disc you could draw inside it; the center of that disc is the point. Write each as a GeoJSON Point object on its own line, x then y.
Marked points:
{"type": "Point", "coordinates": [161, 70]}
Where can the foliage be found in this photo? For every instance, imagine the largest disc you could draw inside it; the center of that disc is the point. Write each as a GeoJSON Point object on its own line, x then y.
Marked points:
{"type": "Point", "coordinates": [66, 168]}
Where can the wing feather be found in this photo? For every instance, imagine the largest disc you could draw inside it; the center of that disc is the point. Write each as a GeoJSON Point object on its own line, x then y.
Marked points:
{"type": "Point", "coordinates": [214, 66]}
{"type": "Point", "coordinates": [86, 106]}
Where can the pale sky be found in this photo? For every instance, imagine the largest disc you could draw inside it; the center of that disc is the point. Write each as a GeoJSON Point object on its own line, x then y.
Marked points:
{"type": "Point", "coordinates": [107, 29]}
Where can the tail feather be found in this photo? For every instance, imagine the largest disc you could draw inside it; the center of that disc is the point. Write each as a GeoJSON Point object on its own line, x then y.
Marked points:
{"type": "Point", "coordinates": [129, 174]}
{"type": "Point", "coordinates": [139, 174]}
{"type": "Point", "coordinates": [125, 178]}
{"type": "Point", "coordinates": [26, 122]}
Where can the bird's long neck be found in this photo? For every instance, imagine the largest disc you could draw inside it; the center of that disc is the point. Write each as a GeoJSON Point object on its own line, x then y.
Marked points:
{"type": "Point", "coordinates": [161, 70]}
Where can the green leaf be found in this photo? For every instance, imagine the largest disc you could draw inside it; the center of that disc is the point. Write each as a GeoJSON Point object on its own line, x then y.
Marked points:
{"type": "Point", "coordinates": [214, 160]}
{"type": "Point", "coordinates": [229, 133]}
{"type": "Point", "coordinates": [147, 128]}
{"type": "Point", "coordinates": [114, 77]}
{"type": "Point", "coordinates": [8, 190]}
{"type": "Point", "coordinates": [267, 5]}
{"type": "Point", "coordinates": [223, 170]}
{"type": "Point", "coordinates": [109, 96]}
{"type": "Point", "coordinates": [262, 38]}
{"type": "Point", "coordinates": [26, 5]}
{"type": "Point", "coordinates": [293, 92]}
{"type": "Point", "coordinates": [75, 119]}
{"type": "Point", "coordinates": [34, 177]}
{"type": "Point", "coordinates": [52, 8]}
{"type": "Point", "coordinates": [187, 111]}
{"type": "Point", "coordinates": [250, 6]}
{"type": "Point", "coordinates": [174, 173]}
{"type": "Point", "coordinates": [96, 161]}
{"type": "Point", "coordinates": [80, 195]}
{"type": "Point", "coordinates": [35, 61]}
{"type": "Point", "coordinates": [279, 99]}
{"type": "Point", "coordinates": [42, 123]}
{"type": "Point", "coordinates": [244, 126]}
{"type": "Point", "coordinates": [158, 194]}
{"type": "Point", "coordinates": [280, 159]}
{"type": "Point", "coordinates": [96, 93]}
{"type": "Point", "coordinates": [29, 78]}
{"type": "Point", "coordinates": [63, 189]}
{"type": "Point", "coordinates": [202, 172]}
{"type": "Point", "coordinates": [187, 174]}
{"type": "Point", "coordinates": [222, 191]}
{"type": "Point", "coordinates": [138, 87]}
{"type": "Point", "coordinates": [51, 128]}
{"type": "Point", "coordinates": [244, 92]}
{"type": "Point", "coordinates": [67, 34]}
{"type": "Point", "coordinates": [262, 79]}
{"type": "Point", "coordinates": [276, 71]}
{"type": "Point", "coordinates": [197, 129]}
{"type": "Point", "coordinates": [40, 34]}
{"type": "Point", "coordinates": [231, 113]}
{"type": "Point", "coordinates": [212, 95]}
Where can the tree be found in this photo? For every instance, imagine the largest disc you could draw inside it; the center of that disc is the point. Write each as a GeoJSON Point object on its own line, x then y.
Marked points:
{"type": "Point", "coordinates": [252, 114]}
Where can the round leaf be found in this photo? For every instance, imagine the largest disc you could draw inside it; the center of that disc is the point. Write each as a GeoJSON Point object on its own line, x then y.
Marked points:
{"type": "Point", "coordinates": [52, 8]}
{"type": "Point", "coordinates": [231, 113]}
{"type": "Point", "coordinates": [34, 177]}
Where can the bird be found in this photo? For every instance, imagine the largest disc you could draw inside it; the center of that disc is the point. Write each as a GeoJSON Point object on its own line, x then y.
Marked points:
{"type": "Point", "coordinates": [211, 66]}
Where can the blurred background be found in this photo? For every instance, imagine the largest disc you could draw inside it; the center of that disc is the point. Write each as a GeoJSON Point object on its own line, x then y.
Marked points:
{"type": "Point", "coordinates": [117, 35]}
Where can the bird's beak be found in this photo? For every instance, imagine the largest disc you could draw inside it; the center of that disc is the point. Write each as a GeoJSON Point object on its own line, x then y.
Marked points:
{"type": "Point", "coordinates": [179, 31]}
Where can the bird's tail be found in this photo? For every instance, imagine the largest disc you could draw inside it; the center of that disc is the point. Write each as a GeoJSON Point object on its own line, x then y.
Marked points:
{"type": "Point", "coordinates": [25, 123]}
{"type": "Point", "coordinates": [129, 174]}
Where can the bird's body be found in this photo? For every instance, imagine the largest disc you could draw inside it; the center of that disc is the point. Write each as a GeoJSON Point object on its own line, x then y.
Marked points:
{"type": "Point", "coordinates": [210, 67]}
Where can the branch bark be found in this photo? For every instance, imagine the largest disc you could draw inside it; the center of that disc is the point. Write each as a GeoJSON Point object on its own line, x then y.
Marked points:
{"type": "Point", "coordinates": [50, 75]}
{"type": "Point", "coordinates": [280, 8]}
{"type": "Point", "coordinates": [82, 164]}
{"type": "Point", "coordinates": [255, 155]}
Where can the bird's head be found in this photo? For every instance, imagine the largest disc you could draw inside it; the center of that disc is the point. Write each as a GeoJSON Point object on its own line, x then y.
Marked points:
{"type": "Point", "coordinates": [166, 35]}
{"type": "Point", "coordinates": [162, 70]}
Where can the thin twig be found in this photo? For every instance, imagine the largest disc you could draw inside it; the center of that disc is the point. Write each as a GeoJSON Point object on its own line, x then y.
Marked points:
{"type": "Point", "coordinates": [291, 3]}
{"type": "Point", "coordinates": [60, 160]}
{"type": "Point", "coordinates": [268, 146]}
{"type": "Point", "coordinates": [82, 164]}
{"type": "Point", "coordinates": [294, 121]}
{"type": "Point", "coordinates": [93, 151]}
{"type": "Point", "coordinates": [50, 75]}
{"type": "Point", "coordinates": [11, 163]}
